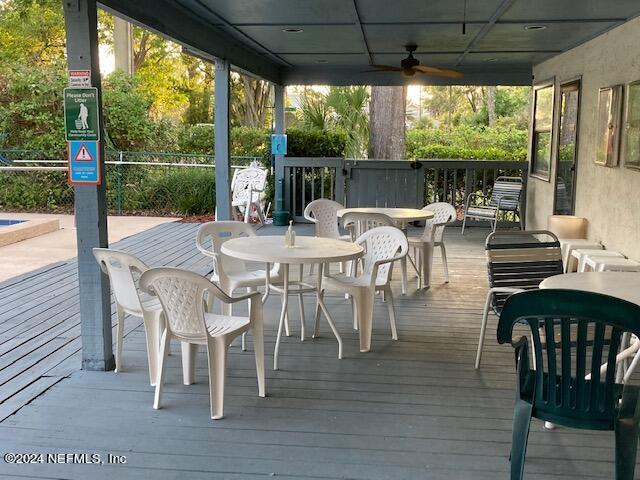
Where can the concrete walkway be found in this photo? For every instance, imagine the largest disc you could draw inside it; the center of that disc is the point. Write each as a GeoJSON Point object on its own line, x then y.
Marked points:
{"type": "Point", "coordinates": [27, 255]}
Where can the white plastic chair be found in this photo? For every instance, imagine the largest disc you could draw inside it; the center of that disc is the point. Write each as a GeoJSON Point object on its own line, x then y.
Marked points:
{"type": "Point", "coordinates": [230, 273]}
{"type": "Point", "coordinates": [247, 187]}
{"type": "Point", "coordinates": [323, 213]}
{"type": "Point", "coordinates": [184, 296]}
{"type": "Point", "coordinates": [383, 245]}
{"type": "Point", "coordinates": [120, 267]}
{"type": "Point", "coordinates": [359, 223]}
{"type": "Point", "coordinates": [433, 236]}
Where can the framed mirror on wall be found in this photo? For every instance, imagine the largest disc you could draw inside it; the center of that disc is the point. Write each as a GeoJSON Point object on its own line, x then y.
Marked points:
{"type": "Point", "coordinates": [630, 145]}
{"type": "Point", "coordinates": [608, 125]}
{"type": "Point", "coordinates": [542, 127]}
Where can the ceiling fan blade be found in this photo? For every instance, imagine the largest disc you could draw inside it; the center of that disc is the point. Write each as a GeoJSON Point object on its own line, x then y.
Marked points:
{"type": "Point", "coordinates": [438, 72]}
{"type": "Point", "coordinates": [386, 68]}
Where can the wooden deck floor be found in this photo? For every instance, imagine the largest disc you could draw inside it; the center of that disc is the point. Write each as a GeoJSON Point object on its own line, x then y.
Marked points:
{"type": "Point", "coordinates": [410, 409]}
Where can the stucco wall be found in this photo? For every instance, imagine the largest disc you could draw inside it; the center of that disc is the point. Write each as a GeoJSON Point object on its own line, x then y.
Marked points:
{"type": "Point", "coordinates": [608, 197]}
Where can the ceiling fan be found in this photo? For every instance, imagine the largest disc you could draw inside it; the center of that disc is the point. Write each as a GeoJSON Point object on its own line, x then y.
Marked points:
{"type": "Point", "coordinates": [411, 65]}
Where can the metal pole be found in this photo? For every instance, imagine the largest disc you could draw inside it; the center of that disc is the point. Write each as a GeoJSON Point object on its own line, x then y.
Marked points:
{"type": "Point", "coordinates": [90, 201]}
{"type": "Point", "coordinates": [221, 120]}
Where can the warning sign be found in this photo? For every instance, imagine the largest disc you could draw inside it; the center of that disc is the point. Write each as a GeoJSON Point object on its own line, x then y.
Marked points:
{"type": "Point", "coordinates": [81, 114]}
{"type": "Point", "coordinates": [79, 78]}
{"type": "Point", "coordinates": [83, 154]}
{"type": "Point", "coordinates": [84, 165]}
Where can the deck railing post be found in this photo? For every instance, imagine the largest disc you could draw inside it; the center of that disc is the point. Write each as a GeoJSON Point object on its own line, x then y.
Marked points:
{"type": "Point", "coordinates": [81, 25]}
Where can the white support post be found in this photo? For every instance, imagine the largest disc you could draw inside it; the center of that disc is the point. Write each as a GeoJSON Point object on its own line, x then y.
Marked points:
{"type": "Point", "coordinates": [90, 201]}
{"type": "Point", "coordinates": [221, 119]}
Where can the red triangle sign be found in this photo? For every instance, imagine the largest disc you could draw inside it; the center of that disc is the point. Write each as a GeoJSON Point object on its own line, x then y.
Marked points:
{"type": "Point", "coordinates": [83, 155]}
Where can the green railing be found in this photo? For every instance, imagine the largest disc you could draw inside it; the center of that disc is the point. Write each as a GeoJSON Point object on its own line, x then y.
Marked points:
{"type": "Point", "coordinates": [142, 183]}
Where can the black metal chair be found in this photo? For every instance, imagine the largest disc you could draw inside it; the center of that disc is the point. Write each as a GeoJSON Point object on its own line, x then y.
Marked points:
{"type": "Point", "coordinates": [517, 261]}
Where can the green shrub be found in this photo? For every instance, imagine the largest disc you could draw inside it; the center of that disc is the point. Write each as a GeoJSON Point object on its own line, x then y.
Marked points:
{"type": "Point", "coordinates": [35, 191]}
{"type": "Point", "coordinates": [463, 141]}
{"type": "Point", "coordinates": [187, 191]}
{"type": "Point", "coordinates": [315, 143]}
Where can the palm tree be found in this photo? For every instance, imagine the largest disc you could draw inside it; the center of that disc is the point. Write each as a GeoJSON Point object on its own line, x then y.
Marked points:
{"type": "Point", "coordinates": [351, 115]}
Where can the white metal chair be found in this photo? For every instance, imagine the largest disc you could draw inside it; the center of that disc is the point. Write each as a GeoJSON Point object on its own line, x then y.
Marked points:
{"type": "Point", "coordinates": [505, 197]}
{"type": "Point", "coordinates": [184, 296]}
{"type": "Point", "coordinates": [120, 268]}
{"type": "Point", "coordinates": [247, 191]}
{"type": "Point", "coordinates": [433, 236]}
{"type": "Point", "coordinates": [230, 273]}
{"type": "Point", "coordinates": [383, 245]}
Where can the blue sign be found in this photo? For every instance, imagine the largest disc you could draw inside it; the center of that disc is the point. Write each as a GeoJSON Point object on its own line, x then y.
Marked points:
{"type": "Point", "coordinates": [278, 144]}
{"type": "Point", "coordinates": [84, 162]}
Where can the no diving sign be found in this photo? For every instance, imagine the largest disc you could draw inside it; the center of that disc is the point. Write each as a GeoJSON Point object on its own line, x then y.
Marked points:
{"type": "Point", "coordinates": [84, 164]}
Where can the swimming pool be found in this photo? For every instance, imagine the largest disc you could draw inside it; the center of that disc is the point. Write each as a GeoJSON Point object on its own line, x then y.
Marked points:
{"type": "Point", "coordinates": [6, 223]}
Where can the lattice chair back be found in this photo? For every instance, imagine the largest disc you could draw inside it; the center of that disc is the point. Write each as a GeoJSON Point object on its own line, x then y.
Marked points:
{"type": "Point", "coordinates": [506, 192]}
{"type": "Point", "coordinates": [576, 337]}
{"type": "Point", "coordinates": [324, 214]}
{"type": "Point", "coordinates": [182, 295]}
{"type": "Point", "coordinates": [519, 259]}
{"type": "Point", "coordinates": [360, 223]}
{"type": "Point", "coordinates": [246, 183]}
{"type": "Point", "coordinates": [212, 235]}
{"type": "Point", "coordinates": [380, 244]}
{"type": "Point", "coordinates": [443, 213]}
{"type": "Point", "coordinates": [120, 268]}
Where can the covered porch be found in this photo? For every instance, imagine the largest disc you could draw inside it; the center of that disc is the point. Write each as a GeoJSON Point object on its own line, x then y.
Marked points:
{"type": "Point", "coordinates": [415, 408]}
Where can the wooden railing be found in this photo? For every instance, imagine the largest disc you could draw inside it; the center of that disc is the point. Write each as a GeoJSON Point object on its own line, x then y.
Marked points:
{"type": "Point", "coordinates": [391, 183]}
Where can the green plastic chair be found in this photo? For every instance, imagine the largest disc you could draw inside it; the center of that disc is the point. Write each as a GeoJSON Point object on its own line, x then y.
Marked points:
{"type": "Point", "coordinates": [573, 333]}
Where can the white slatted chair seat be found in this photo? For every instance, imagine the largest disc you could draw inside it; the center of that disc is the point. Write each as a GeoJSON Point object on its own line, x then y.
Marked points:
{"type": "Point", "coordinates": [184, 296]}
{"type": "Point", "coordinates": [481, 211]}
{"type": "Point", "coordinates": [218, 325]}
{"type": "Point", "coordinates": [432, 236]}
{"type": "Point", "coordinates": [383, 246]}
{"type": "Point", "coordinates": [338, 280]}
{"type": "Point", "coordinates": [120, 267]}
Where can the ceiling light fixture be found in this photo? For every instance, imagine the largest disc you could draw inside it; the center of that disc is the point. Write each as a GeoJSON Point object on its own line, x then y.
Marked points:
{"type": "Point", "coordinates": [322, 60]}
{"type": "Point", "coordinates": [292, 30]}
{"type": "Point", "coordinates": [535, 27]}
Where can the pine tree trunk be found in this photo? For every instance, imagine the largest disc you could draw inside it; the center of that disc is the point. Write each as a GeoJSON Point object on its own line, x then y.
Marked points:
{"type": "Point", "coordinates": [491, 104]}
{"type": "Point", "coordinates": [387, 123]}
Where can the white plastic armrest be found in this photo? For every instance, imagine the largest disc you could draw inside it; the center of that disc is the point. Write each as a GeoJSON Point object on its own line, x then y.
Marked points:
{"type": "Point", "coordinates": [224, 298]}
{"type": "Point", "coordinates": [206, 251]}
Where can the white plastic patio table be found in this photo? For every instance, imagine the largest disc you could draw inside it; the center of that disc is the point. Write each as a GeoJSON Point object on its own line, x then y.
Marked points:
{"type": "Point", "coordinates": [624, 285]}
{"type": "Point", "coordinates": [399, 215]}
{"type": "Point", "coordinates": [307, 250]}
